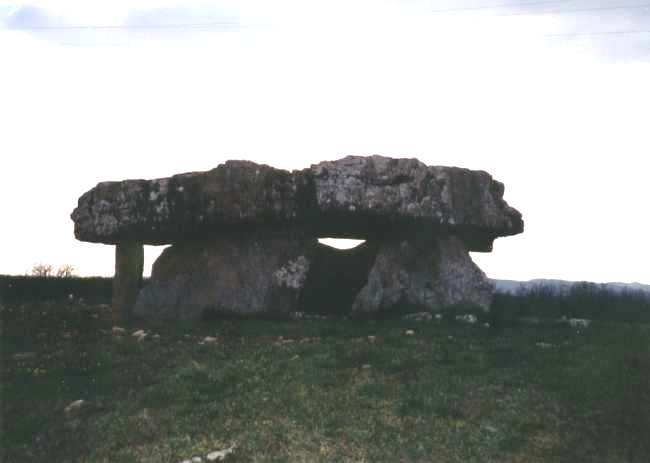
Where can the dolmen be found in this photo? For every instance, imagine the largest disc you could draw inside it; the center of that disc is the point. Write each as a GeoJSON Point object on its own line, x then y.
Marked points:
{"type": "Point", "coordinates": [244, 238]}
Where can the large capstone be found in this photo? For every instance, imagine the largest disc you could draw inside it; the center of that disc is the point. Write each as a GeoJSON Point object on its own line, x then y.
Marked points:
{"type": "Point", "coordinates": [236, 196]}
{"type": "Point", "coordinates": [354, 197]}
{"type": "Point", "coordinates": [237, 275]}
{"type": "Point", "coordinates": [383, 197]}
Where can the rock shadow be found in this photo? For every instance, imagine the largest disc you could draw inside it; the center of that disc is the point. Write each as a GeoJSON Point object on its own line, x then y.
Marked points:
{"type": "Point", "coordinates": [335, 278]}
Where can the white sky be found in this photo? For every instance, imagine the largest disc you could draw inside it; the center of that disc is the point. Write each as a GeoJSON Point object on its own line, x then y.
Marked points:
{"type": "Point", "coordinates": [562, 121]}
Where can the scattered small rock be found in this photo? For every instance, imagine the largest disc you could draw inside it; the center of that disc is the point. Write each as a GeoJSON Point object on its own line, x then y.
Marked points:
{"type": "Point", "coordinates": [409, 333]}
{"type": "Point", "coordinates": [219, 455]}
{"type": "Point", "coordinates": [467, 318]}
{"type": "Point", "coordinates": [197, 459]}
{"type": "Point", "coordinates": [372, 339]}
{"type": "Point", "coordinates": [295, 357]}
{"type": "Point", "coordinates": [138, 333]}
{"type": "Point", "coordinates": [118, 331]}
{"type": "Point", "coordinates": [365, 366]}
{"type": "Point", "coordinates": [419, 316]}
{"type": "Point", "coordinates": [209, 340]}
{"type": "Point", "coordinates": [156, 336]}
{"type": "Point", "coordinates": [73, 407]}
{"type": "Point", "coordinates": [438, 316]}
{"type": "Point", "coordinates": [579, 323]}
{"type": "Point", "coordinates": [486, 325]}
{"type": "Point", "coordinates": [24, 355]}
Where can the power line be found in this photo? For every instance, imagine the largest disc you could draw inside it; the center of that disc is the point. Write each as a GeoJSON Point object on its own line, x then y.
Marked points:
{"type": "Point", "coordinates": [450, 10]}
{"type": "Point", "coordinates": [579, 10]}
{"type": "Point", "coordinates": [132, 26]}
{"type": "Point", "coordinates": [572, 34]}
{"type": "Point", "coordinates": [502, 5]}
{"type": "Point", "coordinates": [227, 24]}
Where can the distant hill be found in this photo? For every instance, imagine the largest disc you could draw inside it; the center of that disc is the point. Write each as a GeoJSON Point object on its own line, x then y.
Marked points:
{"type": "Point", "coordinates": [511, 286]}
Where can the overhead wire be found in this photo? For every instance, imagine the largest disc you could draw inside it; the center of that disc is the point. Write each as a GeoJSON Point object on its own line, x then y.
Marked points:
{"type": "Point", "coordinates": [131, 26]}
{"type": "Point", "coordinates": [497, 6]}
{"type": "Point", "coordinates": [223, 24]}
{"type": "Point", "coordinates": [570, 34]}
{"type": "Point", "coordinates": [579, 10]}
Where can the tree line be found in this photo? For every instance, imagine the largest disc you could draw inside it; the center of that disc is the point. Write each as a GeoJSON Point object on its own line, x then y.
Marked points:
{"type": "Point", "coordinates": [581, 300]}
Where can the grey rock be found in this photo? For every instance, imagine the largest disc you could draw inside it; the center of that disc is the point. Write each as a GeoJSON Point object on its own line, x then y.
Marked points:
{"type": "Point", "coordinates": [73, 408]}
{"type": "Point", "coordinates": [579, 322]}
{"type": "Point", "coordinates": [377, 195]}
{"type": "Point", "coordinates": [352, 197]}
{"type": "Point", "coordinates": [419, 316]}
{"type": "Point", "coordinates": [118, 331]}
{"type": "Point", "coordinates": [429, 275]}
{"type": "Point", "coordinates": [469, 318]}
{"type": "Point", "coordinates": [129, 261]}
{"type": "Point", "coordinates": [220, 455]}
{"type": "Point", "coordinates": [233, 196]}
{"type": "Point", "coordinates": [242, 275]}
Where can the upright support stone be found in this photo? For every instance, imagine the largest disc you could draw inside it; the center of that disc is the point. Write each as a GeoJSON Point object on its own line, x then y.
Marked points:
{"type": "Point", "coordinates": [129, 262]}
{"type": "Point", "coordinates": [431, 275]}
{"type": "Point", "coordinates": [244, 274]}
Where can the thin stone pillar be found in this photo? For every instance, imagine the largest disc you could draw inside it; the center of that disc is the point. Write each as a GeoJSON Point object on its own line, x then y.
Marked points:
{"type": "Point", "coordinates": [129, 262]}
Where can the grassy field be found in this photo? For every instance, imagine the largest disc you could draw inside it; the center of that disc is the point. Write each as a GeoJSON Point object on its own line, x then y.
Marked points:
{"type": "Point", "coordinates": [320, 390]}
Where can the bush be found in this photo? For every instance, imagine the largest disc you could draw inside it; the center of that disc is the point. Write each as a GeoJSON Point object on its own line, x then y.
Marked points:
{"type": "Point", "coordinates": [582, 300]}
{"type": "Point", "coordinates": [48, 288]}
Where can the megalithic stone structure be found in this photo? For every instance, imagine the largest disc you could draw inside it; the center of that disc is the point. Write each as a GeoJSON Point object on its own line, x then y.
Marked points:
{"type": "Point", "coordinates": [244, 236]}
{"type": "Point", "coordinates": [129, 261]}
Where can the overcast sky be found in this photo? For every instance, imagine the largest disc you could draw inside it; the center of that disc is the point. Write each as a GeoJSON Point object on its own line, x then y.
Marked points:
{"type": "Point", "coordinates": [551, 97]}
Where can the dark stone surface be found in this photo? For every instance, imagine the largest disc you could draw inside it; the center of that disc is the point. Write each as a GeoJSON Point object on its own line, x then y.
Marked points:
{"type": "Point", "coordinates": [242, 275]}
{"type": "Point", "coordinates": [335, 278]}
{"type": "Point", "coordinates": [237, 195]}
{"type": "Point", "coordinates": [354, 197]}
{"type": "Point", "coordinates": [429, 275]}
{"type": "Point", "coordinates": [129, 261]}
{"type": "Point", "coordinates": [244, 237]}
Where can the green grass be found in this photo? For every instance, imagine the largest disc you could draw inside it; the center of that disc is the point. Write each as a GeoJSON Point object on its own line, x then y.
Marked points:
{"type": "Point", "coordinates": [450, 393]}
